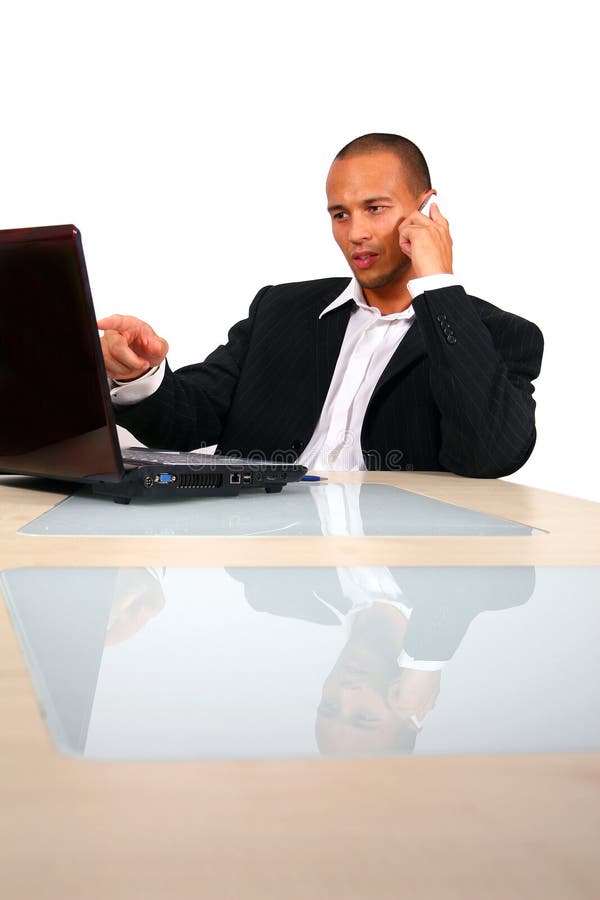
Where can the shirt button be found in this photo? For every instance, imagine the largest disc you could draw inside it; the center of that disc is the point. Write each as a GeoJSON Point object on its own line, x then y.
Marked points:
{"type": "Point", "coordinates": [441, 317]}
{"type": "Point", "coordinates": [451, 339]}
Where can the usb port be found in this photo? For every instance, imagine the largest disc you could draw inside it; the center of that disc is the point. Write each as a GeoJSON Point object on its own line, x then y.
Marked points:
{"type": "Point", "coordinates": [247, 478]}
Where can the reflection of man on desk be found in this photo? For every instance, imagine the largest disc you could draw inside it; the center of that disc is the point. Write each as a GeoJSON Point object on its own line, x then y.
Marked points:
{"type": "Point", "coordinates": [404, 625]}
{"type": "Point", "coordinates": [365, 706]}
{"type": "Point", "coordinates": [395, 368]}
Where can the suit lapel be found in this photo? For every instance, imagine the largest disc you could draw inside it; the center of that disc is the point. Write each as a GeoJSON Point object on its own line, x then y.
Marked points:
{"type": "Point", "coordinates": [410, 349]}
{"type": "Point", "coordinates": [330, 331]}
{"type": "Point", "coordinates": [330, 334]}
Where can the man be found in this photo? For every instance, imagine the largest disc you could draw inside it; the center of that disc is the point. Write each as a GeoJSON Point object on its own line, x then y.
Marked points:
{"type": "Point", "coordinates": [396, 368]}
{"type": "Point", "coordinates": [404, 625]}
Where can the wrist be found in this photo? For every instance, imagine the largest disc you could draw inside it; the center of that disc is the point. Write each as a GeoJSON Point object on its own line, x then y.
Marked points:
{"type": "Point", "coordinates": [421, 283]}
{"type": "Point", "coordinates": [434, 269]}
{"type": "Point", "coordinates": [148, 371]}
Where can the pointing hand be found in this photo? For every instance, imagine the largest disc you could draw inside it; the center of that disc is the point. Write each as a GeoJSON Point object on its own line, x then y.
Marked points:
{"type": "Point", "coordinates": [130, 347]}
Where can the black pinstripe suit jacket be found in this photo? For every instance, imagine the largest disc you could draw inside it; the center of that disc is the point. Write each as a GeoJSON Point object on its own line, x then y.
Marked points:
{"type": "Point", "coordinates": [455, 396]}
{"type": "Point", "coordinates": [444, 599]}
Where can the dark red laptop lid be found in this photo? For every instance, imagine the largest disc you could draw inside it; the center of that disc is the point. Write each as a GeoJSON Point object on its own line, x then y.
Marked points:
{"type": "Point", "coordinates": [57, 417]}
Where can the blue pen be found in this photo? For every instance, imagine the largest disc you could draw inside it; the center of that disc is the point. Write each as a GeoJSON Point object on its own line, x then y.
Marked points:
{"type": "Point", "coordinates": [312, 478]}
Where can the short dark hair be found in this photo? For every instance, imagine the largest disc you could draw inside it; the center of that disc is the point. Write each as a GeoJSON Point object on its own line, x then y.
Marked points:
{"type": "Point", "coordinates": [410, 156]}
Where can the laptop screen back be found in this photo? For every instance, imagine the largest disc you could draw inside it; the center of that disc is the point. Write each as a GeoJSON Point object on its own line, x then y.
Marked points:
{"type": "Point", "coordinates": [56, 414]}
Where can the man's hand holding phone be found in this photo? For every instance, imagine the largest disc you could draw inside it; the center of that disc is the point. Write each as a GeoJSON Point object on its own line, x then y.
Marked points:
{"type": "Point", "coordinates": [425, 238]}
{"type": "Point", "coordinates": [130, 347]}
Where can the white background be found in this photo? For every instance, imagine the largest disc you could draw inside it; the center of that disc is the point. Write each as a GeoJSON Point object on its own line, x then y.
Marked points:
{"type": "Point", "coordinates": [190, 145]}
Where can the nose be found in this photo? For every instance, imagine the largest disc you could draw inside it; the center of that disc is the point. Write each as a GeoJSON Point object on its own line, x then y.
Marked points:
{"type": "Point", "coordinates": [359, 230]}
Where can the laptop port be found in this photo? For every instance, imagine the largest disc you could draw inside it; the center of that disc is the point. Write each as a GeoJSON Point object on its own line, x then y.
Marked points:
{"type": "Point", "coordinates": [235, 479]}
{"type": "Point", "coordinates": [165, 478]}
{"type": "Point", "coordinates": [247, 478]}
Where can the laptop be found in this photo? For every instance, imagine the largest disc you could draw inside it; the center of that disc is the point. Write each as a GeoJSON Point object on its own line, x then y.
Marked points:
{"type": "Point", "coordinates": [57, 416]}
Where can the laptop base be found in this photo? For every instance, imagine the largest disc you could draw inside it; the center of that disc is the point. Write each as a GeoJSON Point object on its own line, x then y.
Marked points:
{"type": "Point", "coordinates": [208, 481]}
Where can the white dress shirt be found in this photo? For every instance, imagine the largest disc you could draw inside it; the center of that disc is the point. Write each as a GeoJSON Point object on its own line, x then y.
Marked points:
{"type": "Point", "coordinates": [339, 513]}
{"type": "Point", "coordinates": [369, 343]}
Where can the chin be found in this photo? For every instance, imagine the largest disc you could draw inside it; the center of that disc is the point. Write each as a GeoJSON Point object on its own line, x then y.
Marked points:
{"type": "Point", "coordinates": [375, 281]}
{"type": "Point", "coordinates": [379, 279]}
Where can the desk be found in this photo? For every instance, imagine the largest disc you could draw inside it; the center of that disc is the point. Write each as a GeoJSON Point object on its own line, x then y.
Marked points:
{"type": "Point", "coordinates": [490, 826]}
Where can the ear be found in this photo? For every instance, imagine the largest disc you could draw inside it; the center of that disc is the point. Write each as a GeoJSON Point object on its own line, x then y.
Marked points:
{"type": "Point", "coordinates": [423, 198]}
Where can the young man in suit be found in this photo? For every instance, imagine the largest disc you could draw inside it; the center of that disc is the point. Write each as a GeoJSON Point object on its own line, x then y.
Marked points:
{"type": "Point", "coordinates": [403, 625]}
{"type": "Point", "coordinates": [395, 368]}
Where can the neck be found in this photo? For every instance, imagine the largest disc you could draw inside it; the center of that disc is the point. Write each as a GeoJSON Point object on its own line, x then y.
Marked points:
{"type": "Point", "coordinates": [390, 298]}
{"type": "Point", "coordinates": [386, 623]}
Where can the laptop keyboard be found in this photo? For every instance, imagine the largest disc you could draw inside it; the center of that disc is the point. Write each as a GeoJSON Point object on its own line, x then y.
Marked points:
{"type": "Point", "coordinates": [142, 456]}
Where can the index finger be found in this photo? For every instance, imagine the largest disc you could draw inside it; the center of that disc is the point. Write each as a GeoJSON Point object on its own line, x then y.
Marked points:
{"type": "Point", "coordinates": [415, 218]}
{"type": "Point", "coordinates": [117, 322]}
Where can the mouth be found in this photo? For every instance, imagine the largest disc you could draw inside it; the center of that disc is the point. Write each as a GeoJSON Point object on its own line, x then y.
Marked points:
{"type": "Point", "coordinates": [364, 260]}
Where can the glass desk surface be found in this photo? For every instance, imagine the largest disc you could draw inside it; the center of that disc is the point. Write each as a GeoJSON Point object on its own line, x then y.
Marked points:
{"type": "Point", "coordinates": [142, 663]}
{"type": "Point", "coordinates": [300, 509]}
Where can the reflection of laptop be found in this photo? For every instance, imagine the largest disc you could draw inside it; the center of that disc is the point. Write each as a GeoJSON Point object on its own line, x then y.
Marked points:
{"type": "Point", "coordinates": [62, 640]}
{"type": "Point", "coordinates": [57, 417]}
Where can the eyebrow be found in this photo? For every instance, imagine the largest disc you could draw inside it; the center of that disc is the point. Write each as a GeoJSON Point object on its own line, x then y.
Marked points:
{"type": "Point", "coordinates": [376, 199]}
{"type": "Point", "coordinates": [368, 202]}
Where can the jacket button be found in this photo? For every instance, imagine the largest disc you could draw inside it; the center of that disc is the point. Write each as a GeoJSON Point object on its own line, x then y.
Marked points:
{"type": "Point", "coordinates": [370, 458]}
{"type": "Point", "coordinates": [297, 446]}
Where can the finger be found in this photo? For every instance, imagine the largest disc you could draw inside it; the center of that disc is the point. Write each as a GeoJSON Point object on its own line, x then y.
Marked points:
{"type": "Point", "coordinates": [410, 229]}
{"type": "Point", "coordinates": [134, 328]}
{"type": "Point", "coordinates": [154, 348]}
{"type": "Point", "coordinates": [121, 372]}
{"type": "Point", "coordinates": [407, 234]}
{"type": "Point", "coordinates": [138, 334]}
{"type": "Point", "coordinates": [415, 219]}
{"type": "Point", "coordinates": [436, 215]}
{"type": "Point", "coordinates": [117, 322]}
{"type": "Point", "coordinates": [119, 357]}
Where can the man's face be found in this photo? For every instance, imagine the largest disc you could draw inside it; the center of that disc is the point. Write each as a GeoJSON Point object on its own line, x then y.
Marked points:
{"type": "Point", "coordinates": [368, 198]}
{"type": "Point", "coordinates": [354, 716]}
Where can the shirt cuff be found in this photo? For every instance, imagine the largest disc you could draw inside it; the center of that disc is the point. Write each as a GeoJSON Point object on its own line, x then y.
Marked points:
{"type": "Point", "coordinates": [126, 393]}
{"type": "Point", "coordinates": [416, 286]}
{"type": "Point", "coordinates": [423, 665]}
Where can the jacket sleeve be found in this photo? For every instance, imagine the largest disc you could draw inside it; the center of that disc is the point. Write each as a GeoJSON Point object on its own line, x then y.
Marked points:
{"type": "Point", "coordinates": [190, 407]}
{"type": "Point", "coordinates": [446, 599]}
{"type": "Point", "coordinates": [480, 378]}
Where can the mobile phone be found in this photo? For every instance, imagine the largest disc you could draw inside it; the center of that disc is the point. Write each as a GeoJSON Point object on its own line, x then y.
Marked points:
{"type": "Point", "coordinates": [426, 206]}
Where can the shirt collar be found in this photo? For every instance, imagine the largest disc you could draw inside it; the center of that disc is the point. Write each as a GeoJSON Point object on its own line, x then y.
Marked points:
{"type": "Point", "coordinates": [353, 291]}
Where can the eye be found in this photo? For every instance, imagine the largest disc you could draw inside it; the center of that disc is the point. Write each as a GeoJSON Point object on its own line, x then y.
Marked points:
{"type": "Point", "coordinates": [376, 209]}
{"type": "Point", "coordinates": [339, 215]}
